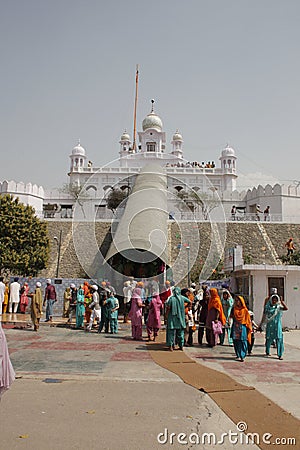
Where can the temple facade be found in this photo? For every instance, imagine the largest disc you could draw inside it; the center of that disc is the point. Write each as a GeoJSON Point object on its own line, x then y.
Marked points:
{"type": "Point", "coordinates": [213, 183]}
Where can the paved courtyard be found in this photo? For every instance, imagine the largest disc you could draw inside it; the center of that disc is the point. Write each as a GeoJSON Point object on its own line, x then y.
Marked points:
{"type": "Point", "coordinates": [85, 390]}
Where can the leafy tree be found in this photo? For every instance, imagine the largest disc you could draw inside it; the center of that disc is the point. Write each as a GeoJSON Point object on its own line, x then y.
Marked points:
{"type": "Point", "coordinates": [24, 242]}
{"type": "Point", "coordinates": [115, 197]}
{"type": "Point", "coordinates": [194, 200]}
{"type": "Point", "coordinates": [204, 201]}
{"type": "Point", "coordinates": [77, 192]}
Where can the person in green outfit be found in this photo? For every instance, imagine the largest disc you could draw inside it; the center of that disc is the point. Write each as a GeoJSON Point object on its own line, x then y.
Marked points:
{"type": "Point", "coordinates": [272, 320]}
{"type": "Point", "coordinates": [112, 304]}
{"type": "Point", "coordinates": [176, 319]}
{"type": "Point", "coordinates": [80, 309]}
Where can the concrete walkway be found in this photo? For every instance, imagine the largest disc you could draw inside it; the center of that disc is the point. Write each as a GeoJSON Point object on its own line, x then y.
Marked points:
{"type": "Point", "coordinates": [79, 390]}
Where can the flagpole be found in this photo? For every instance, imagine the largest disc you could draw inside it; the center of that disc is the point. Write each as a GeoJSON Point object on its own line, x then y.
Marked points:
{"type": "Point", "coordinates": [135, 107]}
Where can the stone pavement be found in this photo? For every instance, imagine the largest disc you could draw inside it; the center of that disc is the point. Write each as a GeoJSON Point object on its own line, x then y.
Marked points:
{"type": "Point", "coordinates": [278, 380]}
{"type": "Point", "coordinates": [69, 353]}
{"type": "Point", "coordinates": [85, 390]}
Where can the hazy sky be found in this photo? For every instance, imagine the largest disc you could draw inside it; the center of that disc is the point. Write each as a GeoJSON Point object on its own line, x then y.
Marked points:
{"type": "Point", "coordinates": [219, 70]}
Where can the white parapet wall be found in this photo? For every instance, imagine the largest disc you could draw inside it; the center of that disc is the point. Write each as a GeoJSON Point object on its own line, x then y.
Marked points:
{"type": "Point", "coordinates": [28, 193]}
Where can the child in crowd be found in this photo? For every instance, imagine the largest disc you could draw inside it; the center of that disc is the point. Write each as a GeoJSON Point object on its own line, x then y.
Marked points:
{"type": "Point", "coordinates": [191, 325]}
{"type": "Point", "coordinates": [255, 327]}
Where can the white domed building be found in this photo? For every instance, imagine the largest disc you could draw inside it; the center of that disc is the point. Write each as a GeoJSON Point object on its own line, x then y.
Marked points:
{"type": "Point", "coordinates": [152, 147]}
{"type": "Point", "coordinates": [215, 181]}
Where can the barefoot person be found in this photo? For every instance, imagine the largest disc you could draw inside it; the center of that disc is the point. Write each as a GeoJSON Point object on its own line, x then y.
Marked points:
{"type": "Point", "coordinates": [176, 319]}
{"type": "Point", "coordinates": [135, 315]}
{"type": "Point", "coordinates": [36, 306]}
{"type": "Point", "coordinates": [154, 322]}
{"type": "Point", "coordinates": [272, 320]}
{"type": "Point", "coordinates": [241, 327]}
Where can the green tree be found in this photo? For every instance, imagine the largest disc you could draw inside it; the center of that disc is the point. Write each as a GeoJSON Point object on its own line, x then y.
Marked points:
{"type": "Point", "coordinates": [115, 197]}
{"type": "Point", "coordinates": [24, 242]}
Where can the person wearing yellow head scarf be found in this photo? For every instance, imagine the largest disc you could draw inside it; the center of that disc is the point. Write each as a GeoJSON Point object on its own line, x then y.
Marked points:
{"type": "Point", "coordinates": [241, 327]}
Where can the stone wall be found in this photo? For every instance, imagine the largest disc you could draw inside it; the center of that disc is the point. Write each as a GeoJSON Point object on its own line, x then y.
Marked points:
{"type": "Point", "coordinates": [262, 243]}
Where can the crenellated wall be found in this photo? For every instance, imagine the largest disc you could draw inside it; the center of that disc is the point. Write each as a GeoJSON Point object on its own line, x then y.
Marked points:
{"type": "Point", "coordinates": [28, 193]}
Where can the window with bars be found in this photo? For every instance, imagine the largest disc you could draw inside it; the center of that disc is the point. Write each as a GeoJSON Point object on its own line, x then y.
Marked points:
{"type": "Point", "coordinates": [150, 146]}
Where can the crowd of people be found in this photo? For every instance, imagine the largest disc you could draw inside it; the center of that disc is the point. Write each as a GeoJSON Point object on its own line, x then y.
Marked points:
{"type": "Point", "coordinates": [242, 213]}
{"type": "Point", "coordinates": [216, 314]}
{"type": "Point", "coordinates": [202, 165]}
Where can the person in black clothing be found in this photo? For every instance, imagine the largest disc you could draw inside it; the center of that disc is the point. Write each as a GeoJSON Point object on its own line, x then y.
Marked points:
{"type": "Point", "coordinates": [103, 296]}
{"type": "Point", "coordinates": [202, 313]}
{"type": "Point", "coordinates": [73, 301]}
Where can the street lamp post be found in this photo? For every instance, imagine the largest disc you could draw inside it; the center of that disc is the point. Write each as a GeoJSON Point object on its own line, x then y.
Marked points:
{"type": "Point", "coordinates": [58, 241]}
{"type": "Point", "coordinates": [187, 247]}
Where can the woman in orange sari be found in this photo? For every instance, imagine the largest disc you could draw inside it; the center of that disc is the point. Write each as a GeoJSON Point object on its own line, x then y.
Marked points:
{"type": "Point", "coordinates": [241, 327]}
{"type": "Point", "coordinates": [215, 314]}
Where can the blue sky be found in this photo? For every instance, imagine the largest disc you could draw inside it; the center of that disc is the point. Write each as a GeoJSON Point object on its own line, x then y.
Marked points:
{"type": "Point", "coordinates": [219, 71]}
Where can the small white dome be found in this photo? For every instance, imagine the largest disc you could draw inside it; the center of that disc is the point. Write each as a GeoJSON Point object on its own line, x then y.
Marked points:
{"type": "Point", "coordinates": [125, 136]}
{"type": "Point", "coordinates": [177, 136]}
{"type": "Point", "coordinates": [78, 150]}
{"type": "Point", "coordinates": [228, 151]}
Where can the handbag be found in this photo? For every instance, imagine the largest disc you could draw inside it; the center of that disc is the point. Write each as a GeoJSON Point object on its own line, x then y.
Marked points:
{"type": "Point", "coordinates": [217, 327]}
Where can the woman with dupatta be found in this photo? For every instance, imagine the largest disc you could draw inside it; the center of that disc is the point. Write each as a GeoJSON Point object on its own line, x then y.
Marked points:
{"type": "Point", "coordinates": [272, 319]}
{"type": "Point", "coordinates": [24, 298]}
{"type": "Point", "coordinates": [215, 314]}
{"type": "Point", "coordinates": [154, 322]}
{"type": "Point", "coordinates": [176, 319]}
{"type": "Point", "coordinates": [7, 373]}
{"type": "Point", "coordinates": [135, 314]}
{"type": "Point", "coordinates": [36, 306]}
{"type": "Point", "coordinates": [227, 303]}
{"type": "Point", "coordinates": [241, 327]}
{"type": "Point", "coordinates": [80, 309]}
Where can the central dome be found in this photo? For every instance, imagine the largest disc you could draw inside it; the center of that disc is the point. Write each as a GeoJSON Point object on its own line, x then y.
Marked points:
{"type": "Point", "coordinates": [152, 120]}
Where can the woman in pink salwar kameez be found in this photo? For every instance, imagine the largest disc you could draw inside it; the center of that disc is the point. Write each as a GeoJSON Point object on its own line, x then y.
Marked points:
{"type": "Point", "coordinates": [24, 298]}
{"type": "Point", "coordinates": [7, 373]}
{"type": "Point", "coordinates": [153, 322]}
{"type": "Point", "coordinates": [135, 314]}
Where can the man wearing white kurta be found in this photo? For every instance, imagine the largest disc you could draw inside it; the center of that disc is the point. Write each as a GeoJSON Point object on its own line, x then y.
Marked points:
{"type": "Point", "coordinates": [96, 313]}
{"type": "Point", "coordinates": [14, 298]}
{"type": "Point", "coordinates": [2, 290]}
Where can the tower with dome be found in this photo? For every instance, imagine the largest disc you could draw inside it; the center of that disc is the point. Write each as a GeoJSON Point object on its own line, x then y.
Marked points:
{"type": "Point", "coordinates": [152, 147]}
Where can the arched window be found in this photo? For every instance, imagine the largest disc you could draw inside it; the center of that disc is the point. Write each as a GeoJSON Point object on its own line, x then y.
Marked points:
{"type": "Point", "coordinates": [91, 187]}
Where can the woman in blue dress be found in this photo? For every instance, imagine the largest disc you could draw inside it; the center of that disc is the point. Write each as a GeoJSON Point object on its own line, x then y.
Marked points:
{"type": "Point", "coordinates": [272, 319]}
